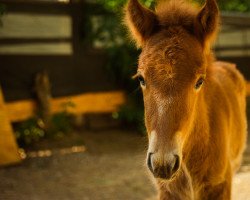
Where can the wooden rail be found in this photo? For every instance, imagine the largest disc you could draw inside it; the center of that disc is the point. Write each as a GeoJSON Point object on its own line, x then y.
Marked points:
{"type": "Point", "coordinates": [103, 102]}
{"type": "Point", "coordinates": [235, 19]}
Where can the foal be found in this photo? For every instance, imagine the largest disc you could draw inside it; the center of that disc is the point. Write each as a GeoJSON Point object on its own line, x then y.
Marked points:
{"type": "Point", "coordinates": [194, 106]}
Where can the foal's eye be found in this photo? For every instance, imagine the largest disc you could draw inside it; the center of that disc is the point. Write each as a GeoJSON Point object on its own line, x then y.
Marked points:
{"type": "Point", "coordinates": [141, 80]}
{"type": "Point", "coordinates": [199, 83]}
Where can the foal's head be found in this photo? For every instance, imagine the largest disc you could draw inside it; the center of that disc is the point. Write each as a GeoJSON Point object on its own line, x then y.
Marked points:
{"type": "Point", "coordinates": [175, 41]}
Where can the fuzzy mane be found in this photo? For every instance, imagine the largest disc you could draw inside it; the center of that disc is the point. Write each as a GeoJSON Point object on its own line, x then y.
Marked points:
{"type": "Point", "coordinates": [176, 13]}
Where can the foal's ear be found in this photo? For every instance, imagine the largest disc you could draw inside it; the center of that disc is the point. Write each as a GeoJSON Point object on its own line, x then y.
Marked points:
{"type": "Point", "coordinates": [207, 21]}
{"type": "Point", "coordinates": [140, 21]}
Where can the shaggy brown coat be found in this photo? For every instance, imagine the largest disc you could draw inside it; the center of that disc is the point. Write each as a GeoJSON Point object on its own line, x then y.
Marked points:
{"type": "Point", "coordinates": [194, 106]}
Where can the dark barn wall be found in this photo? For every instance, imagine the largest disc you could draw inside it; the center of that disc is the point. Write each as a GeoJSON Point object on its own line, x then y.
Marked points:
{"type": "Point", "coordinates": [68, 74]}
{"type": "Point", "coordinates": [242, 63]}
{"type": "Point", "coordinates": [78, 73]}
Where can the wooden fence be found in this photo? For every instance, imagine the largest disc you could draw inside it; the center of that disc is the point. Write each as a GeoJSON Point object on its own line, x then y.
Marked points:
{"type": "Point", "coordinates": [101, 102]}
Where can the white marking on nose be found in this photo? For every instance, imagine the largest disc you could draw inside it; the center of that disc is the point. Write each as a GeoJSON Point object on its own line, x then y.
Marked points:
{"type": "Point", "coordinates": [160, 109]}
{"type": "Point", "coordinates": [170, 99]}
{"type": "Point", "coordinates": [162, 104]}
{"type": "Point", "coordinates": [152, 141]}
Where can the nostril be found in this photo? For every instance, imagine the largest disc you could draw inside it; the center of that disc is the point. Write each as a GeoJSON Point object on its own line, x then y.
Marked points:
{"type": "Point", "coordinates": [177, 164]}
{"type": "Point", "coordinates": [149, 162]}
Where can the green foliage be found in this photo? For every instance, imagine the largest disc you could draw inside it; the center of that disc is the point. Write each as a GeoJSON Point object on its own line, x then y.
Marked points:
{"type": "Point", "coordinates": [115, 6]}
{"type": "Point", "coordinates": [235, 5]}
{"type": "Point", "coordinates": [29, 131]}
{"type": "Point", "coordinates": [104, 29]}
{"type": "Point", "coordinates": [60, 124]}
{"type": "Point", "coordinates": [2, 10]}
{"type": "Point", "coordinates": [32, 130]}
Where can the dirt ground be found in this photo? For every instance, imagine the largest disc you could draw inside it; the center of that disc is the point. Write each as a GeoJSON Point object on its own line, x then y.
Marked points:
{"type": "Point", "coordinates": [112, 168]}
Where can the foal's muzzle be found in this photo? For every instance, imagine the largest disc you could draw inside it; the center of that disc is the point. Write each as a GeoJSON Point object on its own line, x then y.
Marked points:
{"type": "Point", "coordinates": [164, 168]}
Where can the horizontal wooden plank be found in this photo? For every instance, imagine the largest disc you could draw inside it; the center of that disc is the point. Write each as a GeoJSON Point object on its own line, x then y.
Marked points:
{"type": "Point", "coordinates": [103, 102]}
{"type": "Point", "coordinates": [37, 1]}
{"type": "Point", "coordinates": [235, 18]}
{"type": "Point", "coordinates": [54, 40]}
{"type": "Point", "coordinates": [232, 47]}
{"type": "Point", "coordinates": [20, 110]}
{"type": "Point", "coordinates": [38, 7]}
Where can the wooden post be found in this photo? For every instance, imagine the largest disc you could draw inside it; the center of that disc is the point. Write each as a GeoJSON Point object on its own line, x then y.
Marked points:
{"type": "Point", "coordinates": [8, 146]}
{"type": "Point", "coordinates": [43, 93]}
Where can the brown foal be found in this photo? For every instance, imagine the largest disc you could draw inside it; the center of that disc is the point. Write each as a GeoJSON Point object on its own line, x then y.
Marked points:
{"type": "Point", "coordinates": [194, 107]}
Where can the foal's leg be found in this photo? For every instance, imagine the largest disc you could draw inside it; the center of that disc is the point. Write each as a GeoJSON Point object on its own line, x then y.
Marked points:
{"type": "Point", "coordinates": [180, 188]}
{"type": "Point", "coordinates": [221, 191]}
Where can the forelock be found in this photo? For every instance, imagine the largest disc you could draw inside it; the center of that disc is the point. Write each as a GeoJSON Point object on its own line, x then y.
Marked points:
{"type": "Point", "coordinates": [176, 13]}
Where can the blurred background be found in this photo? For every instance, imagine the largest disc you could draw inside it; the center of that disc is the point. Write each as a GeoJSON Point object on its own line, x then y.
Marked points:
{"type": "Point", "coordinates": [71, 117]}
